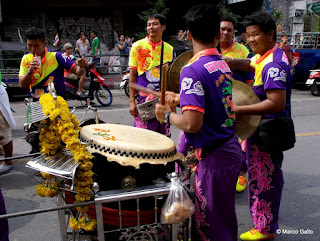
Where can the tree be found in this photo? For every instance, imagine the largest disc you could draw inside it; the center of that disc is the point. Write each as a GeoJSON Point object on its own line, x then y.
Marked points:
{"type": "Point", "coordinates": [225, 11]}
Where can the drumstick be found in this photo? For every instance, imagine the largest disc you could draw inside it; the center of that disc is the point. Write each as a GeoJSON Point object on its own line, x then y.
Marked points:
{"type": "Point", "coordinates": [163, 84]}
{"type": "Point", "coordinates": [78, 52]}
{"type": "Point", "coordinates": [162, 89]}
{"type": "Point", "coordinates": [148, 91]}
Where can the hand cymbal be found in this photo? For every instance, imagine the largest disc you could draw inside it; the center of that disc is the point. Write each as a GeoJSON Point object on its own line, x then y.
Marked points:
{"type": "Point", "coordinates": [242, 94]}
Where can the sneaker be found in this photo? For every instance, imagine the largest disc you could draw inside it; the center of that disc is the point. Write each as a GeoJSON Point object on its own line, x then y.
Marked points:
{"type": "Point", "coordinates": [242, 183]}
{"type": "Point", "coordinates": [254, 234]}
{"type": "Point", "coordinates": [5, 168]}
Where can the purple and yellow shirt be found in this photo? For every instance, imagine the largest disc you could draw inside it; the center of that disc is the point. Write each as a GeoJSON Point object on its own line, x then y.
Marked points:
{"type": "Point", "coordinates": [52, 68]}
{"type": "Point", "coordinates": [272, 71]}
{"type": "Point", "coordinates": [206, 86]}
{"type": "Point", "coordinates": [145, 58]}
{"type": "Point", "coordinates": [237, 50]}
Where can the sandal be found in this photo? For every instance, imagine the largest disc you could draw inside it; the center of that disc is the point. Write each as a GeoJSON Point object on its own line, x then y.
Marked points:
{"type": "Point", "coordinates": [82, 94]}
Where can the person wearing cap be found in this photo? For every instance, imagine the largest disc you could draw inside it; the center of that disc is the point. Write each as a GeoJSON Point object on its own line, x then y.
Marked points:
{"type": "Point", "coordinates": [68, 54]}
{"type": "Point", "coordinates": [39, 73]}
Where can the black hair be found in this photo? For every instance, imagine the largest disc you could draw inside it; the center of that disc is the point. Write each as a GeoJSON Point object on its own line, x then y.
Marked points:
{"type": "Point", "coordinates": [162, 19]}
{"type": "Point", "coordinates": [203, 22]}
{"type": "Point", "coordinates": [263, 20]}
{"type": "Point", "coordinates": [35, 33]}
{"type": "Point", "coordinates": [227, 18]}
{"type": "Point", "coordinates": [95, 33]}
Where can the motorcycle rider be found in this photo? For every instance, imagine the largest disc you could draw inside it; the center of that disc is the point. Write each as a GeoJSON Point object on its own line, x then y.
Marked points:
{"type": "Point", "coordinates": [39, 73]}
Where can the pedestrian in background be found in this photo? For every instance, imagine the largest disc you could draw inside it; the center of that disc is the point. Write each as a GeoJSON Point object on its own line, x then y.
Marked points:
{"type": "Point", "coordinates": [123, 45]}
{"type": "Point", "coordinates": [83, 45]}
{"type": "Point", "coordinates": [96, 49]}
{"type": "Point", "coordinates": [180, 42]}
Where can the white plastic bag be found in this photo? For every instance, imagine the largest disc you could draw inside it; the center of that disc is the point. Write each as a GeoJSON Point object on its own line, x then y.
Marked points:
{"type": "Point", "coordinates": [178, 206]}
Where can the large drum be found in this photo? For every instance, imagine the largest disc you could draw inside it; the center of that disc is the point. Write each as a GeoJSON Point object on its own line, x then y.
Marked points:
{"type": "Point", "coordinates": [126, 157]}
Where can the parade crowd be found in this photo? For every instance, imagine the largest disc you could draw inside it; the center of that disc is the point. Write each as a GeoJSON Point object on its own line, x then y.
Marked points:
{"type": "Point", "coordinates": [208, 115]}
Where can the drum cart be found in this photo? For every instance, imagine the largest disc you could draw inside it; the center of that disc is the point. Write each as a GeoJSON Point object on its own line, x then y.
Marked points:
{"type": "Point", "coordinates": [63, 167]}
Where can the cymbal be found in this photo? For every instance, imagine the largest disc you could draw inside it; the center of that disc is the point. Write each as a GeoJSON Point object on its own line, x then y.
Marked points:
{"type": "Point", "coordinates": [175, 69]}
{"type": "Point", "coordinates": [245, 125]}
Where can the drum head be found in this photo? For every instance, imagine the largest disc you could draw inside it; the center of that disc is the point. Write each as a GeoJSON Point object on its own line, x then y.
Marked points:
{"type": "Point", "coordinates": [129, 146]}
{"type": "Point", "coordinates": [242, 94]}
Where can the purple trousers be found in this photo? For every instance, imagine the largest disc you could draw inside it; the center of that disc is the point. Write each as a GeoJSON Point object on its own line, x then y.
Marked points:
{"type": "Point", "coordinates": [265, 182]}
{"type": "Point", "coordinates": [215, 216]}
{"type": "Point", "coordinates": [4, 228]}
{"type": "Point", "coordinates": [153, 125]}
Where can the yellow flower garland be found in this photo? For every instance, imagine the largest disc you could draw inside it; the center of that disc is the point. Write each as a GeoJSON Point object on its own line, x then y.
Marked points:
{"type": "Point", "coordinates": [65, 127]}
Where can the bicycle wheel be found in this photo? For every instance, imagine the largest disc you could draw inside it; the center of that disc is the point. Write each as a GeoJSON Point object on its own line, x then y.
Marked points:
{"type": "Point", "coordinates": [103, 95]}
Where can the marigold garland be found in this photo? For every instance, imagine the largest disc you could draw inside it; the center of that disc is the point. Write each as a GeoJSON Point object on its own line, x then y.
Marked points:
{"type": "Point", "coordinates": [64, 126]}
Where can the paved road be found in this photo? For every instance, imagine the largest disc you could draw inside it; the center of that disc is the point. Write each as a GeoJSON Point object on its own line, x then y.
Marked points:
{"type": "Point", "coordinates": [300, 208]}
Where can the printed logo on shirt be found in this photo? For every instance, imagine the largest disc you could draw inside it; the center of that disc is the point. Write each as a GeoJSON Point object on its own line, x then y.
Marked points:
{"type": "Point", "coordinates": [153, 75]}
{"type": "Point", "coordinates": [65, 57]}
{"type": "Point", "coordinates": [186, 83]}
{"type": "Point", "coordinates": [274, 74]}
{"type": "Point", "coordinates": [197, 89]}
{"type": "Point", "coordinates": [153, 86]}
{"type": "Point", "coordinates": [217, 65]}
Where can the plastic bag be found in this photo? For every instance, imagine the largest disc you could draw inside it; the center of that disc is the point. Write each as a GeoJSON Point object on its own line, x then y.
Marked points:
{"type": "Point", "coordinates": [178, 206]}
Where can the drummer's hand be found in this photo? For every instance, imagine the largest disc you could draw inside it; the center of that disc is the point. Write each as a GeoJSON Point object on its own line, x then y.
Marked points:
{"type": "Point", "coordinates": [161, 110]}
{"type": "Point", "coordinates": [133, 109]}
{"type": "Point", "coordinates": [172, 98]}
{"type": "Point", "coordinates": [82, 62]}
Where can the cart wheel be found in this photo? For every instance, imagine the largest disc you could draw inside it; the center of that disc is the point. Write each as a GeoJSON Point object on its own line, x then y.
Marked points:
{"type": "Point", "coordinates": [103, 95]}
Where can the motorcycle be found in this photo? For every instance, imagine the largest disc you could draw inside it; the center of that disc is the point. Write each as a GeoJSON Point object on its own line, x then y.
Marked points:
{"type": "Point", "coordinates": [314, 82]}
{"type": "Point", "coordinates": [98, 88]}
{"type": "Point", "coordinates": [125, 82]}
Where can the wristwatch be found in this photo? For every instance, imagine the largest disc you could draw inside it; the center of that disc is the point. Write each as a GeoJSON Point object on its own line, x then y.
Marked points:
{"type": "Point", "coordinates": [166, 117]}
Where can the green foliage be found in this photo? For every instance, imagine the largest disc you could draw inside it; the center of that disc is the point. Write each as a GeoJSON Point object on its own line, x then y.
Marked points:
{"type": "Point", "coordinates": [277, 16]}
{"type": "Point", "coordinates": [307, 23]}
{"type": "Point", "coordinates": [225, 11]}
{"type": "Point", "coordinates": [155, 6]}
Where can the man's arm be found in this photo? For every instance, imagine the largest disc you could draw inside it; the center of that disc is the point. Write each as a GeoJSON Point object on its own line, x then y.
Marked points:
{"type": "Point", "coordinates": [190, 121]}
{"type": "Point", "coordinates": [80, 69]}
{"type": "Point", "coordinates": [121, 47]}
{"type": "Point", "coordinates": [132, 79]}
